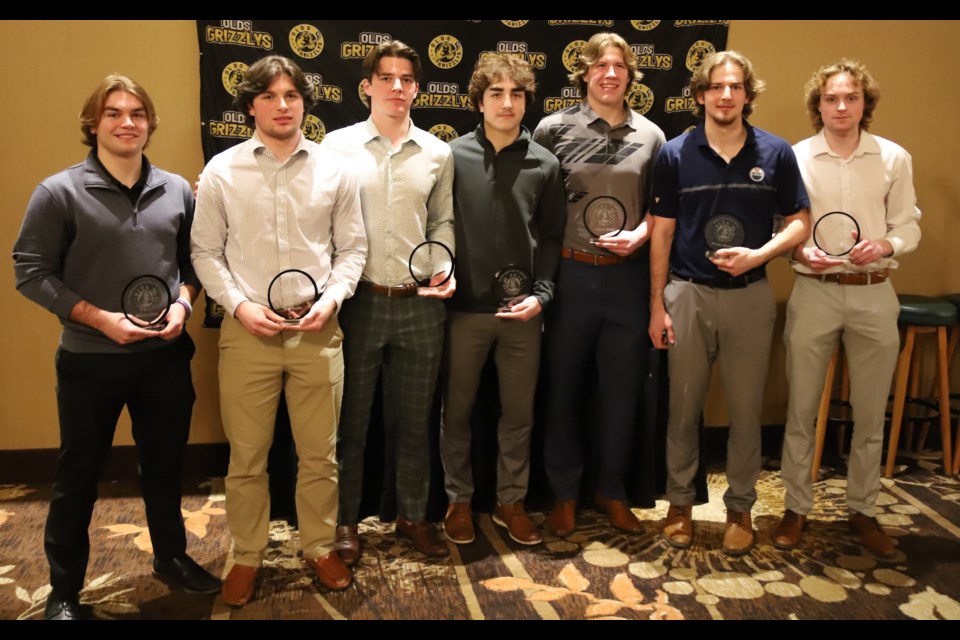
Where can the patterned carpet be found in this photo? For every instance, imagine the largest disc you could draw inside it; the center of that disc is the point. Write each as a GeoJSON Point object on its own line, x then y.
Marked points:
{"type": "Point", "coordinates": [598, 573]}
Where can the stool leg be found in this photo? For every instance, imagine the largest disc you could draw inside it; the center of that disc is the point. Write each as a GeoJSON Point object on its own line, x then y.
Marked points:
{"type": "Point", "coordinates": [944, 371]}
{"type": "Point", "coordinates": [899, 397]}
{"type": "Point", "coordinates": [915, 375]}
{"type": "Point", "coordinates": [822, 416]}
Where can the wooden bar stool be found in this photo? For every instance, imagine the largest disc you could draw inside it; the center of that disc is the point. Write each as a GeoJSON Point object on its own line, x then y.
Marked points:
{"type": "Point", "coordinates": [954, 335]}
{"type": "Point", "coordinates": [921, 315]}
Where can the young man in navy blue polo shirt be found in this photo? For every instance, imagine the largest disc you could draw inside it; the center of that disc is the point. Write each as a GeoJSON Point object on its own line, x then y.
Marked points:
{"type": "Point", "coordinates": [716, 192]}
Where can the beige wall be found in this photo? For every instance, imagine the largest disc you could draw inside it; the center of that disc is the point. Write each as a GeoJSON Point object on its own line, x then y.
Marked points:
{"type": "Point", "coordinates": [52, 65]}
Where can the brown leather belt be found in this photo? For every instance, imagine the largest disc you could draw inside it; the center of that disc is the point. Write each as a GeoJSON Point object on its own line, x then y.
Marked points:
{"type": "Point", "coordinates": [402, 291]}
{"type": "Point", "coordinates": [595, 259]}
{"type": "Point", "coordinates": [872, 277]}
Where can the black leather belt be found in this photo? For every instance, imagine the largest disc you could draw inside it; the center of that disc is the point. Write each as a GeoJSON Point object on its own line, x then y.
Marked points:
{"type": "Point", "coordinates": [725, 282]}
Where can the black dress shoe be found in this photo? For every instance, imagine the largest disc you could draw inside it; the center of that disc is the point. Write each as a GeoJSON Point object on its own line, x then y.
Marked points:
{"type": "Point", "coordinates": [61, 608]}
{"type": "Point", "coordinates": [183, 572]}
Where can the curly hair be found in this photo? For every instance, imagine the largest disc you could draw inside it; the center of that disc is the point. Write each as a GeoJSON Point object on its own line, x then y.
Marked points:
{"type": "Point", "coordinates": [860, 76]}
{"type": "Point", "coordinates": [498, 66]}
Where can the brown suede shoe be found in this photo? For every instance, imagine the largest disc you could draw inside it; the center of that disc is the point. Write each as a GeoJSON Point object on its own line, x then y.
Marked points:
{"type": "Point", "coordinates": [619, 513]}
{"type": "Point", "coordinates": [514, 517]}
{"type": "Point", "coordinates": [347, 544]}
{"type": "Point", "coordinates": [240, 585]}
{"type": "Point", "coordinates": [458, 524]}
{"type": "Point", "coordinates": [563, 518]}
{"type": "Point", "coordinates": [331, 571]}
{"type": "Point", "coordinates": [678, 526]}
{"type": "Point", "coordinates": [424, 537]}
{"type": "Point", "coordinates": [738, 538]}
{"type": "Point", "coordinates": [788, 533]}
{"type": "Point", "coordinates": [873, 537]}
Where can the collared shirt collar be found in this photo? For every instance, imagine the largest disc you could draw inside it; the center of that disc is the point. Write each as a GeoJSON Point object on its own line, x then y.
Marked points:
{"type": "Point", "coordinates": [413, 133]}
{"type": "Point", "coordinates": [95, 174]}
{"type": "Point", "coordinates": [590, 116]}
{"type": "Point", "coordinates": [867, 144]}
{"type": "Point", "coordinates": [700, 134]}
{"type": "Point", "coordinates": [303, 144]}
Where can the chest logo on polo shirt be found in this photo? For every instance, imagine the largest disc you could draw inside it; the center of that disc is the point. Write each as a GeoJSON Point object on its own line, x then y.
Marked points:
{"type": "Point", "coordinates": [756, 174]}
{"type": "Point", "coordinates": [571, 54]}
{"type": "Point", "coordinates": [232, 76]}
{"type": "Point", "coordinates": [444, 131]}
{"type": "Point", "coordinates": [306, 41]}
{"type": "Point", "coordinates": [313, 128]}
{"type": "Point", "coordinates": [445, 51]}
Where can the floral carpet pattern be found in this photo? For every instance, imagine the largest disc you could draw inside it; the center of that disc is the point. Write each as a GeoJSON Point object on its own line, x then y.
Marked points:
{"type": "Point", "coordinates": [597, 573]}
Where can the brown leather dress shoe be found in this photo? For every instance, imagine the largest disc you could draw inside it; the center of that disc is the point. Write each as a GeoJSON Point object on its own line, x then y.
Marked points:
{"type": "Point", "coordinates": [873, 537]}
{"type": "Point", "coordinates": [519, 525]}
{"type": "Point", "coordinates": [678, 526]}
{"type": "Point", "coordinates": [347, 544]}
{"type": "Point", "coordinates": [563, 518]}
{"type": "Point", "coordinates": [424, 537]}
{"type": "Point", "coordinates": [788, 533]}
{"type": "Point", "coordinates": [619, 513]}
{"type": "Point", "coordinates": [458, 524]}
{"type": "Point", "coordinates": [331, 571]}
{"type": "Point", "coordinates": [738, 538]}
{"type": "Point", "coordinates": [240, 585]}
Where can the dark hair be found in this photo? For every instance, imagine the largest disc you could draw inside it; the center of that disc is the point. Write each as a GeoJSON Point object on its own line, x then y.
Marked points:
{"type": "Point", "coordinates": [492, 67]}
{"type": "Point", "coordinates": [700, 80]}
{"type": "Point", "coordinates": [261, 75]}
{"type": "Point", "coordinates": [860, 76]}
{"type": "Point", "coordinates": [392, 49]}
{"type": "Point", "coordinates": [93, 107]}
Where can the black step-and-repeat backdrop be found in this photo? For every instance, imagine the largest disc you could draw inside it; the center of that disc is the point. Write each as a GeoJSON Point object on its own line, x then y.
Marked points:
{"type": "Point", "coordinates": [331, 52]}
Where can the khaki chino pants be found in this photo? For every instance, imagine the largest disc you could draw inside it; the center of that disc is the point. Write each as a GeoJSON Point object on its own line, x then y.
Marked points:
{"type": "Point", "coordinates": [308, 367]}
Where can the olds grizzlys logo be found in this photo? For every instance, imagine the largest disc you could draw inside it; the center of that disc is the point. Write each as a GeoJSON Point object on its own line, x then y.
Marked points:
{"type": "Point", "coordinates": [366, 41]}
{"type": "Point", "coordinates": [306, 41]}
{"type": "Point", "coordinates": [443, 95]}
{"type": "Point", "coordinates": [640, 98]}
{"type": "Point", "coordinates": [700, 23]}
{"type": "Point", "coordinates": [569, 96]}
{"type": "Point", "coordinates": [648, 58]}
{"type": "Point", "coordinates": [313, 128]}
{"type": "Point", "coordinates": [514, 49]}
{"type": "Point", "coordinates": [514, 24]}
{"type": "Point", "coordinates": [644, 25]}
{"type": "Point", "coordinates": [683, 102]}
{"type": "Point", "coordinates": [233, 124]}
{"type": "Point", "coordinates": [571, 54]}
{"type": "Point", "coordinates": [589, 23]}
{"type": "Point", "coordinates": [232, 76]}
{"type": "Point", "coordinates": [445, 51]}
{"type": "Point", "coordinates": [445, 132]}
{"type": "Point", "coordinates": [238, 32]}
{"type": "Point", "coordinates": [324, 92]}
{"type": "Point", "coordinates": [697, 52]}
